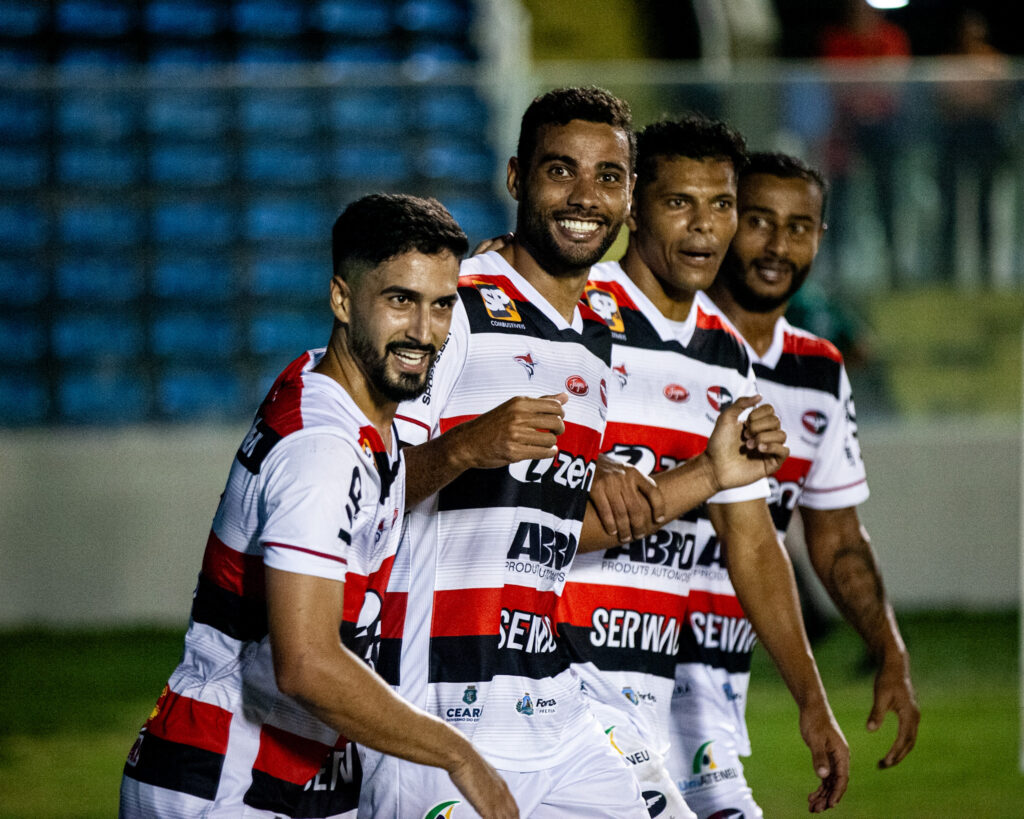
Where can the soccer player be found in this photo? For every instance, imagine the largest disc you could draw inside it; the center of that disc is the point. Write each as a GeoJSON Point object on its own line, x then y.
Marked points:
{"type": "Point", "coordinates": [301, 550]}
{"type": "Point", "coordinates": [625, 613]}
{"type": "Point", "coordinates": [781, 210]}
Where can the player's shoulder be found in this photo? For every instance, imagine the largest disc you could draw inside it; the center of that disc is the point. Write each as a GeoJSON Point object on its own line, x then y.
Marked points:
{"type": "Point", "coordinates": [800, 342]}
{"type": "Point", "coordinates": [715, 339]}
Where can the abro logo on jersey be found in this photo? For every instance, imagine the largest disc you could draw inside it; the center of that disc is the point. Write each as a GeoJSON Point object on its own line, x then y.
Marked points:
{"type": "Point", "coordinates": [497, 302]}
{"type": "Point", "coordinates": [625, 628]}
{"type": "Point", "coordinates": [814, 422]}
{"type": "Point", "coordinates": [732, 634]}
{"type": "Point", "coordinates": [606, 306]}
{"type": "Point", "coordinates": [662, 552]}
{"type": "Point", "coordinates": [543, 545]}
{"type": "Point", "coordinates": [719, 398]}
{"type": "Point", "coordinates": [572, 471]}
{"type": "Point", "coordinates": [526, 631]}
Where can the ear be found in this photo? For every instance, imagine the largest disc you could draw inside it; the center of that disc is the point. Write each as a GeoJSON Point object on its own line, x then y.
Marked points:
{"type": "Point", "coordinates": [631, 216]}
{"type": "Point", "coordinates": [512, 177]}
{"type": "Point", "coordinates": [341, 297]}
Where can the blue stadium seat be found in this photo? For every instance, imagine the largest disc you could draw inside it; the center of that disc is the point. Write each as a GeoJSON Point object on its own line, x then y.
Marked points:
{"type": "Point", "coordinates": [23, 115]}
{"type": "Point", "coordinates": [22, 18]}
{"type": "Point", "coordinates": [110, 335]}
{"type": "Point", "coordinates": [285, 334]}
{"type": "Point", "coordinates": [353, 18]}
{"type": "Point", "coordinates": [105, 396]}
{"type": "Point", "coordinates": [286, 113]}
{"type": "Point", "coordinates": [268, 18]}
{"type": "Point", "coordinates": [184, 18]}
{"type": "Point", "coordinates": [430, 60]}
{"type": "Point", "coordinates": [208, 335]}
{"type": "Point", "coordinates": [23, 225]}
{"type": "Point", "coordinates": [258, 54]}
{"type": "Point", "coordinates": [109, 56]}
{"type": "Point", "coordinates": [21, 56]}
{"type": "Point", "coordinates": [197, 279]}
{"type": "Point", "coordinates": [194, 221]}
{"type": "Point", "coordinates": [106, 166]}
{"type": "Point", "coordinates": [278, 218]}
{"type": "Point", "coordinates": [205, 164]}
{"type": "Point", "coordinates": [376, 112]}
{"type": "Point", "coordinates": [376, 164]}
{"type": "Point", "coordinates": [24, 399]}
{"type": "Point", "coordinates": [480, 217]}
{"type": "Point", "coordinates": [22, 282]}
{"type": "Point", "coordinates": [439, 17]}
{"type": "Point", "coordinates": [281, 164]}
{"type": "Point", "coordinates": [199, 394]}
{"type": "Point", "coordinates": [350, 56]}
{"type": "Point", "coordinates": [113, 223]}
{"type": "Point", "coordinates": [94, 18]}
{"type": "Point", "coordinates": [200, 114]}
{"type": "Point", "coordinates": [22, 338]}
{"type": "Point", "coordinates": [457, 162]}
{"type": "Point", "coordinates": [176, 56]}
{"type": "Point", "coordinates": [452, 109]}
{"type": "Point", "coordinates": [99, 279]}
{"type": "Point", "coordinates": [289, 276]}
{"type": "Point", "coordinates": [96, 115]}
{"type": "Point", "coordinates": [23, 166]}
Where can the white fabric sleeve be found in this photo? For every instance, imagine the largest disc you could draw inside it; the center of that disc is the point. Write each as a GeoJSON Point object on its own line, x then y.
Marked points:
{"type": "Point", "coordinates": [318, 498]}
{"type": "Point", "coordinates": [759, 488]}
{"type": "Point", "coordinates": [837, 478]}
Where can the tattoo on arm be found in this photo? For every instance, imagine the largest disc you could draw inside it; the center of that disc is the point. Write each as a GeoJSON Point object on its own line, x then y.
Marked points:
{"type": "Point", "coordinates": [857, 588]}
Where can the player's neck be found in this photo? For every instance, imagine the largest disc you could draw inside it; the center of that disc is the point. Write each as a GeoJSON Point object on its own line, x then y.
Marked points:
{"type": "Point", "coordinates": [758, 329]}
{"type": "Point", "coordinates": [339, 365]}
{"type": "Point", "coordinates": [561, 291]}
{"type": "Point", "coordinates": [673, 303]}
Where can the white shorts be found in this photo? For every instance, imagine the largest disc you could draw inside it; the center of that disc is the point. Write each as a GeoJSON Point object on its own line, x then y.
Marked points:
{"type": "Point", "coordinates": [594, 783]}
{"type": "Point", "coordinates": [708, 772]}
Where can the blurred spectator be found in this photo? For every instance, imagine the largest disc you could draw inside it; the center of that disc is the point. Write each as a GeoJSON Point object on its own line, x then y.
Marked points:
{"type": "Point", "coordinates": [971, 141]}
{"type": "Point", "coordinates": [866, 128]}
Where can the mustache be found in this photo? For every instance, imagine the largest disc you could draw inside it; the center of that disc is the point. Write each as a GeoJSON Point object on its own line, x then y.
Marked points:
{"type": "Point", "coordinates": [393, 346]}
{"type": "Point", "coordinates": [775, 261]}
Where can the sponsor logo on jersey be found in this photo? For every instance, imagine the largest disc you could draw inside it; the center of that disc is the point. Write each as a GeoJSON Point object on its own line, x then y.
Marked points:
{"type": "Point", "coordinates": [572, 471]}
{"type": "Point", "coordinates": [676, 393]}
{"type": "Point", "coordinates": [637, 757]}
{"type": "Point", "coordinates": [526, 631]}
{"type": "Point", "coordinates": [497, 302]}
{"type": "Point", "coordinates": [442, 810]}
{"type": "Point", "coordinates": [577, 385]}
{"type": "Point", "coordinates": [630, 695]}
{"type": "Point", "coordinates": [339, 770]}
{"type": "Point", "coordinates": [367, 634]}
{"type": "Point", "coordinates": [425, 398]}
{"type": "Point", "coordinates": [625, 628]}
{"type": "Point", "coordinates": [136, 751]}
{"type": "Point", "coordinates": [610, 731]}
{"type": "Point", "coordinates": [719, 398]}
{"type": "Point", "coordinates": [656, 802]}
{"type": "Point", "coordinates": [527, 363]}
{"type": "Point", "coordinates": [469, 695]}
{"type": "Point", "coordinates": [525, 705]}
{"type": "Point", "coordinates": [814, 422]}
{"type": "Point", "coordinates": [732, 634]}
{"type": "Point", "coordinates": [703, 761]}
{"type": "Point", "coordinates": [606, 306]}
{"type": "Point", "coordinates": [621, 374]}
{"type": "Point", "coordinates": [730, 693]}
{"type": "Point", "coordinates": [463, 713]}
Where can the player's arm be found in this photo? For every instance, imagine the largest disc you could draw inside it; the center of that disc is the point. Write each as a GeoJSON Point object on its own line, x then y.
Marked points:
{"type": "Point", "coordinates": [311, 665]}
{"type": "Point", "coordinates": [625, 506]}
{"type": "Point", "coordinates": [763, 578]}
{"type": "Point", "coordinates": [840, 551]}
{"type": "Point", "coordinates": [520, 429]}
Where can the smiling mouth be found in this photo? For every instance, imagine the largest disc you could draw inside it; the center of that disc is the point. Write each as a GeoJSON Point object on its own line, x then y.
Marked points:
{"type": "Point", "coordinates": [410, 358]}
{"type": "Point", "coordinates": [579, 227]}
{"type": "Point", "coordinates": [772, 273]}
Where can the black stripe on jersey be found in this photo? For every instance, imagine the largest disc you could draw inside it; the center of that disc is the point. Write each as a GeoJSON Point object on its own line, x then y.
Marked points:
{"type": "Point", "coordinates": [716, 347]}
{"type": "Point", "coordinates": [781, 516]}
{"type": "Point", "coordinates": [257, 444]}
{"type": "Point", "coordinates": [492, 488]}
{"type": "Point", "coordinates": [381, 653]}
{"type": "Point", "coordinates": [735, 661]}
{"type": "Point", "coordinates": [477, 659]}
{"type": "Point", "coordinates": [809, 371]}
{"type": "Point", "coordinates": [176, 767]}
{"type": "Point", "coordinates": [288, 799]}
{"type": "Point", "coordinates": [579, 647]}
{"type": "Point", "coordinates": [238, 617]}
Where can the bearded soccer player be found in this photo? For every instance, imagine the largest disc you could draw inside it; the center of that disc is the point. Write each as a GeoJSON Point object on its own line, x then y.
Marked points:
{"type": "Point", "coordinates": [631, 614]}
{"type": "Point", "coordinates": [781, 211]}
{"type": "Point", "coordinates": [300, 553]}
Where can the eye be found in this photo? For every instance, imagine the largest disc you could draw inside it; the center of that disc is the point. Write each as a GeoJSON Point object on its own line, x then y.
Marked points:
{"type": "Point", "coordinates": [447, 303]}
{"type": "Point", "coordinates": [559, 171]}
{"type": "Point", "coordinates": [611, 177]}
{"type": "Point", "coordinates": [757, 222]}
{"type": "Point", "coordinates": [398, 298]}
{"type": "Point", "coordinates": [798, 230]}
{"type": "Point", "coordinates": [724, 205]}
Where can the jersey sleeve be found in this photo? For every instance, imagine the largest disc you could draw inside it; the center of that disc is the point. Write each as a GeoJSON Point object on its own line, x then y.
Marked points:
{"type": "Point", "coordinates": [418, 420]}
{"type": "Point", "coordinates": [759, 488]}
{"type": "Point", "coordinates": [317, 500]}
{"type": "Point", "coordinates": [837, 478]}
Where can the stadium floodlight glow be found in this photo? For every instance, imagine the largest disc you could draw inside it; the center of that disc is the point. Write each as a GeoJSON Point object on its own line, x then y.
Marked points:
{"type": "Point", "coordinates": [888, 4]}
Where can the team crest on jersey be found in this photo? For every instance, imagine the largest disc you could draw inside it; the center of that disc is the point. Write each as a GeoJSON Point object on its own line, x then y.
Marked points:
{"type": "Point", "coordinates": [676, 393]}
{"type": "Point", "coordinates": [527, 363]}
{"type": "Point", "coordinates": [719, 398]}
{"type": "Point", "coordinates": [814, 422]}
{"type": "Point", "coordinates": [702, 760]}
{"type": "Point", "coordinates": [442, 810]}
{"type": "Point", "coordinates": [469, 695]}
{"type": "Point", "coordinates": [621, 375]}
{"type": "Point", "coordinates": [497, 302]}
{"type": "Point", "coordinates": [577, 385]}
{"type": "Point", "coordinates": [605, 305]}
{"type": "Point", "coordinates": [656, 803]}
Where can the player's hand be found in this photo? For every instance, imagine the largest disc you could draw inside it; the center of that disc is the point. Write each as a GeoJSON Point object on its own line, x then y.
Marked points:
{"type": "Point", "coordinates": [742, 452]}
{"type": "Point", "coordinates": [520, 429]}
{"type": "Point", "coordinates": [484, 788]}
{"type": "Point", "coordinates": [830, 755]}
{"type": "Point", "coordinates": [497, 243]}
{"type": "Point", "coordinates": [894, 692]}
{"type": "Point", "coordinates": [628, 502]}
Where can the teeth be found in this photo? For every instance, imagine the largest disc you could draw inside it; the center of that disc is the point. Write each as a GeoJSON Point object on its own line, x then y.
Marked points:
{"type": "Point", "coordinates": [577, 226]}
{"type": "Point", "coordinates": [409, 356]}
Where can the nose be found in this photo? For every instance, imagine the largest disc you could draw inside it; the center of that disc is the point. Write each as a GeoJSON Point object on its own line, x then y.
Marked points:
{"type": "Point", "coordinates": [583, 193]}
{"type": "Point", "coordinates": [777, 244]}
{"type": "Point", "coordinates": [420, 329]}
{"type": "Point", "coordinates": [702, 219]}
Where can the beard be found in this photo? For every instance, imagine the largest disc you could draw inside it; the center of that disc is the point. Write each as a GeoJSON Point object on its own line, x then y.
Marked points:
{"type": "Point", "coordinates": [733, 273]}
{"type": "Point", "coordinates": [395, 387]}
{"type": "Point", "coordinates": [535, 232]}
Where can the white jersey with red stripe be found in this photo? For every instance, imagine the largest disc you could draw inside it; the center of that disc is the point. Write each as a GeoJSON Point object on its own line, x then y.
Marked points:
{"type": "Point", "coordinates": [312, 490]}
{"type": "Point", "coordinates": [490, 551]}
{"type": "Point", "coordinates": [623, 612]}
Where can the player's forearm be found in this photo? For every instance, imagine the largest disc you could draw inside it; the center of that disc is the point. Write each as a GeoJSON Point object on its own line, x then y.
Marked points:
{"type": "Point", "coordinates": [432, 465]}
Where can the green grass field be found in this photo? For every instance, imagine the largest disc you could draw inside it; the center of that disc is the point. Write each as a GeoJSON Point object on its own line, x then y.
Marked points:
{"type": "Point", "coordinates": [72, 702]}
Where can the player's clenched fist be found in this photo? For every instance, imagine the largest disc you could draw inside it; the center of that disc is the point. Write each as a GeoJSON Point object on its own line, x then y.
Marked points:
{"type": "Point", "coordinates": [742, 451]}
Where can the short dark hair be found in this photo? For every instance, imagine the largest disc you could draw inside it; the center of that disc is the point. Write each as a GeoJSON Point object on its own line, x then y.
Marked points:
{"type": "Point", "coordinates": [381, 226]}
{"type": "Point", "coordinates": [786, 166]}
{"type": "Point", "coordinates": [562, 105]}
{"type": "Point", "coordinates": [691, 136]}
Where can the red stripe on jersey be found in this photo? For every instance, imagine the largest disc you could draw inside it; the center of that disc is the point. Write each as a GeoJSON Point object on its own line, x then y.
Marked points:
{"type": "Point", "coordinates": [413, 421]}
{"type": "Point", "coordinates": [621, 296]}
{"type": "Point", "coordinates": [579, 600]}
{"type": "Point", "coordinates": [356, 586]}
{"type": "Point", "coordinates": [234, 571]}
{"type": "Point", "coordinates": [725, 604]}
{"type": "Point", "coordinates": [392, 615]}
{"type": "Point", "coordinates": [500, 281]}
{"type": "Point", "coordinates": [709, 321]}
{"type": "Point", "coordinates": [303, 549]}
{"type": "Point", "coordinates": [287, 756]}
{"type": "Point", "coordinates": [812, 346]}
{"type": "Point", "coordinates": [190, 722]}
{"type": "Point", "coordinates": [472, 612]}
{"type": "Point", "coordinates": [282, 408]}
{"type": "Point", "coordinates": [671, 442]}
{"type": "Point", "coordinates": [793, 470]}
{"type": "Point", "coordinates": [368, 436]}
